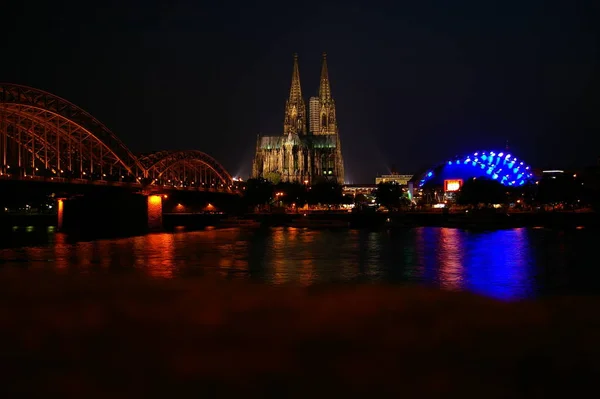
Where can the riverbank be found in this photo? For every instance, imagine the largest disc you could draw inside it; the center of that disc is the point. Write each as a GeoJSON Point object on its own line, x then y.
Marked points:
{"type": "Point", "coordinates": [333, 220]}
{"type": "Point", "coordinates": [426, 219]}
{"type": "Point", "coordinates": [125, 336]}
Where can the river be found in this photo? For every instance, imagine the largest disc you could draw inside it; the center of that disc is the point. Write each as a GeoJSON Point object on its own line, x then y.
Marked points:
{"type": "Point", "coordinates": [507, 264]}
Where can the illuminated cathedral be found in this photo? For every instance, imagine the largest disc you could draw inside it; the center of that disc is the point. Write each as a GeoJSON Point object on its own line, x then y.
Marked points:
{"type": "Point", "coordinates": [309, 150]}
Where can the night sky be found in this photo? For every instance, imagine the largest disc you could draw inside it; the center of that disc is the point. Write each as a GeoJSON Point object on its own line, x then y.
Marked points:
{"type": "Point", "coordinates": [414, 82]}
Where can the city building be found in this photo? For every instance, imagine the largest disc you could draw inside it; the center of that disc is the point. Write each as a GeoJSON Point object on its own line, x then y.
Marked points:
{"type": "Point", "coordinates": [394, 177]}
{"type": "Point", "coordinates": [301, 155]}
{"type": "Point", "coordinates": [361, 193]}
{"type": "Point", "coordinates": [356, 189]}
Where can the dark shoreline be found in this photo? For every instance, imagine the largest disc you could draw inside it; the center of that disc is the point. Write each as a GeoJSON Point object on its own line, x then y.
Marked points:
{"type": "Point", "coordinates": [333, 220]}
{"type": "Point", "coordinates": [560, 220]}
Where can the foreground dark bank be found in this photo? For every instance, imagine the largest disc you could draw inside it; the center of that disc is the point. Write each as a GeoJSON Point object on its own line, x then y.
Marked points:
{"type": "Point", "coordinates": [131, 337]}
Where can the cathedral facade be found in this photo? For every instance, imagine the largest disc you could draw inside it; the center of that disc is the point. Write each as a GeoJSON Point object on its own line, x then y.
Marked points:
{"type": "Point", "coordinates": [309, 150]}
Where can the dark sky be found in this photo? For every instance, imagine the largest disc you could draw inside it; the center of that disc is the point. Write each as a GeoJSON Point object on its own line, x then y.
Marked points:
{"type": "Point", "coordinates": [415, 82]}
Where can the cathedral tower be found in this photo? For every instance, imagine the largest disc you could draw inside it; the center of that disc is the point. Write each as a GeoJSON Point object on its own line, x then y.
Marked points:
{"type": "Point", "coordinates": [295, 110]}
{"type": "Point", "coordinates": [327, 120]}
{"type": "Point", "coordinates": [295, 155]}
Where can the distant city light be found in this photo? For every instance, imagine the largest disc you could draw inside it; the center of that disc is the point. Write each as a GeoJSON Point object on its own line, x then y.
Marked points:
{"type": "Point", "coordinates": [453, 185]}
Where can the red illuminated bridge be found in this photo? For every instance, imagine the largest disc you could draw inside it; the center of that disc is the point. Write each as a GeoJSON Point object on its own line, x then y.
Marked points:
{"type": "Point", "coordinates": [46, 138]}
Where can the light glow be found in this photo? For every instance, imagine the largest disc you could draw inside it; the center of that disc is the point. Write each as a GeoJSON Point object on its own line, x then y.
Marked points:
{"type": "Point", "coordinates": [452, 185]}
{"type": "Point", "coordinates": [502, 168]}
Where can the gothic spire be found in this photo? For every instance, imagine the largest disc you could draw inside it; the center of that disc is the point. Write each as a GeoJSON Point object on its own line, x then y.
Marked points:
{"type": "Point", "coordinates": [295, 89]}
{"type": "Point", "coordinates": [324, 89]}
{"type": "Point", "coordinates": [295, 110]}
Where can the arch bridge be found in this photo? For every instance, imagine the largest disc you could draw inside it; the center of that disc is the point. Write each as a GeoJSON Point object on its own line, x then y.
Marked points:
{"type": "Point", "coordinates": [46, 138]}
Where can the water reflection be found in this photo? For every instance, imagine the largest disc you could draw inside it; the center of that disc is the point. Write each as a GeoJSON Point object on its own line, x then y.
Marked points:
{"type": "Point", "coordinates": [493, 263]}
{"type": "Point", "coordinates": [498, 264]}
{"type": "Point", "coordinates": [158, 254]}
{"type": "Point", "coordinates": [428, 252]}
{"type": "Point", "coordinates": [281, 262]}
{"type": "Point", "coordinates": [507, 264]}
{"type": "Point", "coordinates": [450, 259]}
{"type": "Point", "coordinates": [61, 251]}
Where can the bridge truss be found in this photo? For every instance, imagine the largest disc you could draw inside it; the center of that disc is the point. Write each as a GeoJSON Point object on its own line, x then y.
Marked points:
{"type": "Point", "coordinates": [44, 137]}
{"type": "Point", "coordinates": [185, 169]}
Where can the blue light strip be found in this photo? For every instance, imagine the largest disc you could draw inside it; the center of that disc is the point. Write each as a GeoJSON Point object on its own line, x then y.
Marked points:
{"type": "Point", "coordinates": [515, 174]}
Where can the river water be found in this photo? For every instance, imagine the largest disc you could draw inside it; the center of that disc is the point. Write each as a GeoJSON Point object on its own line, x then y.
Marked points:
{"type": "Point", "coordinates": [505, 264]}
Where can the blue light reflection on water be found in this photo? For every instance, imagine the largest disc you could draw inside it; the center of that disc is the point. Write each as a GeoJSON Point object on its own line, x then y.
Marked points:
{"type": "Point", "coordinates": [492, 263]}
{"type": "Point", "coordinates": [504, 264]}
{"type": "Point", "coordinates": [498, 264]}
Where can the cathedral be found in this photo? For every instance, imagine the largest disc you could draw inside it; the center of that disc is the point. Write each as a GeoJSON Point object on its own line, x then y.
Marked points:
{"type": "Point", "coordinates": [309, 149]}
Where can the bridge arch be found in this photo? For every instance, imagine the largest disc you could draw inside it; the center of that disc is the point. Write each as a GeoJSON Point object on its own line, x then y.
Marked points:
{"type": "Point", "coordinates": [186, 168]}
{"type": "Point", "coordinates": [43, 134]}
{"type": "Point", "coordinates": [501, 166]}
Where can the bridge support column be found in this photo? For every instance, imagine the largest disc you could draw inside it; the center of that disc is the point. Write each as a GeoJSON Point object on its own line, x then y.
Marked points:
{"type": "Point", "coordinates": [155, 221]}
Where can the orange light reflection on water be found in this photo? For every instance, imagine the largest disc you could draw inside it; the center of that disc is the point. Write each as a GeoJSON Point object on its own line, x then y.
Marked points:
{"type": "Point", "coordinates": [280, 260]}
{"type": "Point", "coordinates": [61, 251]}
{"type": "Point", "coordinates": [159, 254]}
{"type": "Point", "coordinates": [60, 212]}
{"type": "Point", "coordinates": [307, 275]}
{"type": "Point", "coordinates": [307, 272]}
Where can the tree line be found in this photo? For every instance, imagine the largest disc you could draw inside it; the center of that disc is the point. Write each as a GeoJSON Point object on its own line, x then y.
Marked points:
{"type": "Point", "coordinates": [565, 189]}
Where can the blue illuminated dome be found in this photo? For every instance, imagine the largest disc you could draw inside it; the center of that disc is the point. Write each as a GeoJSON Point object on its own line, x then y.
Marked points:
{"type": "Point", "coordinates": [499, 166]}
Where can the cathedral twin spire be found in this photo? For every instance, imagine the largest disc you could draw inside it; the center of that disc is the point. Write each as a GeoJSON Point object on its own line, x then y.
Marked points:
{"type": "Point", "coordinates": [295, 109]}
{"type": "Point", "coordinates": [310, 150]}
{"type": "Point", "coordinates": [296, 89]}
{"type": "Point", "coordinates": [324, 89]}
